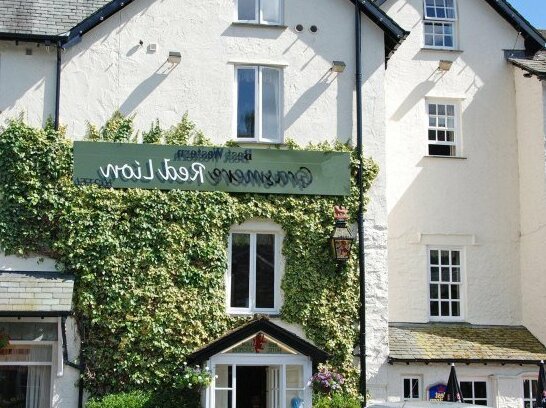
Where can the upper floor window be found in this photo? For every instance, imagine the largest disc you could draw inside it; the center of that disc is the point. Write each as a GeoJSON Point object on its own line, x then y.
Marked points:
{"type": "Point", "coordinates": [439, 23]}
{"type": "Point", "coordinates": [259, 11]}
{"type": "Point", "coordinates": [443, 133]}
{"type": "Point", "coordinates": [530, 389]}
{"type": "Point", "coordinates": [411, 388]}
{"type": "Point", "coordinates": [253, 278]}
{"type": "Point", "coordinates": [445, 283]}
{"type": "Point", "coordinates": [258, 102]}
{"type": "Point", "coordinates": [474, 392]}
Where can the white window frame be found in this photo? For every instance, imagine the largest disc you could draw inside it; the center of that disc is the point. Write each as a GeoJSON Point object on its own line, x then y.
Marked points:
{"type": "Point", "coordinates": [473, 381]}
{"type": "Point", "coordinates": [52, 345]}
{"type": "Point", "coordinates": [253, 228]}
{"type": "Point", "coordinates": [412, 378]}
{"type": "Point", "coordinates": [259, 15]}
{"type": "Point", "coordinates": [457, 137]}
{"type": "Point", "coordinates": [462, 285]}
{"type": "Point", "coordinates": [242, 359]}
{"type": "Point", "coordinates": [258, 137]}
{"type": "Point", "coordinates": [443, 21]}
{"type": "Point", "coordinates": [532, 398]}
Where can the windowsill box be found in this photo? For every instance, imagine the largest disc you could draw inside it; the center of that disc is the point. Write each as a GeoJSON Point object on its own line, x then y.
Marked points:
{"type": "Point", "coordinates": [442, 50]}
{"type": "Point", "coordinates": [446, 157]}
{"type": "Point", "coordinates": [274, 26]}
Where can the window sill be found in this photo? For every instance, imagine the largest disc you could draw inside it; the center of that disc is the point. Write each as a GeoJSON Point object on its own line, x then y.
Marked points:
{"type": "Point", "coordinates": [236, 313]}
{"type": "Point", "coordinates": [255, 143]}
{"type": "Point", "coordinates": [447, 157]}
{"type": "Point", "coordinates": [273, 26]}
{"type": "Point", "coordinates": [442, 50]}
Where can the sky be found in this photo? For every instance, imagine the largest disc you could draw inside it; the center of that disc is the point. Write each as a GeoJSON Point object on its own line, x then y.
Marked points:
{"type": "Point", "coordinates": [532, 10]}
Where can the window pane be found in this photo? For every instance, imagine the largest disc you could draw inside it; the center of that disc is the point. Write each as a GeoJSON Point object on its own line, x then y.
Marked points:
{"type": "Point", "coordinates": [415, 388]}
{"type": "Point", "coordinates": [445, 274]}
{"type": "Point", "coordinates": [435, 274]}
{"type": "Point", "coordinates": [444, 291]}
{"type": "Point", "coordinates": [407, 388]}
{"type": "Point", "coordinates": [223, 376]}
{"type": "Point", "coordinates": [445, 308]}
{"type": "Point", "coordinates": [440, 150]}
{"type": "Point", "coordinates": [294, 399]}
{"type": "Point", "coordinates": [431, 134]}
{"type": "Point", "coordinates": [223, 399]}
{"type": "Point", "coordinates": [456, 275]}
{"type": "Point", "coordinates": [445, 257]}
{"type": "Point", "coordinates": [455, 258]}
{"type": "Point", "coordinates": [271, 11]}
{"type": "Point", "coordinates": [466, 388]}
{"type": "Point", "coordinates": [434, 257]}
{"type": "Point", "coordinates": [270, 103]}
{"type": "Point", "coordinates": [247, 10]}
{"type": "Point", "coordinates": [526, 389]}
{"type": "Point", "coordinates": [265, 271]}
{"type": "Point", "coordinates": [434, 291]}
{"type": "Point", "coordinates": [37, 354]}
{"type": "Point", "coordinates": [480, 389]}
{"type": "Point", "coordinates": [434, 308]}
{"type": "Point", "coordinates": [25, 386]}
{"type": "Point", "coordinates": [294, 376]}
{"type": "Point", "coordinates": [246, 94]}
{"type": "Point", "coordinates": [455, 292]}
{"type": "Point", "coordinates": [240, 270]}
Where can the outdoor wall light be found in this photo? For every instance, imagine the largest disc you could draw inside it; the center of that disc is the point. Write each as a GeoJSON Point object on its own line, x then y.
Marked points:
{"type": "Point", "coordinates": [338, 66]}
{"type": "Point", "coordinates": [445, 65]}
{"type": "Point", "coordinates": [174, 57]}
{"type": "Point", "coordinates": [342, 238]}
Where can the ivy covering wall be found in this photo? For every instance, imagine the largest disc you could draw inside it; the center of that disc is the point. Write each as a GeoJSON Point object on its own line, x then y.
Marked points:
{"type": "Point", "coordinates": [150, 265]}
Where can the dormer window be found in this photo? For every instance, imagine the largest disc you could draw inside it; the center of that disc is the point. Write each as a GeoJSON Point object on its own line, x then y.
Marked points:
{"type": "Point", "coordinates": [268, 12]}
{"type": "Point", "coordinates": [439, 23]}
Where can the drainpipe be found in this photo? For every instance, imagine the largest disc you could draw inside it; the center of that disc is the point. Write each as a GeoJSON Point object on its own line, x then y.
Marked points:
{"type": "Point", "coordinates": [58, 86]}
{"type": "Point", "coordinates": [360, 179]}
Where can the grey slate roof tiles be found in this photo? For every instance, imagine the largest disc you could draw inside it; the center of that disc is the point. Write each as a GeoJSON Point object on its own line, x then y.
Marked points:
{"type": "Point", "coordinates": [454, 342]}
{"type": "Point", "coordinates": [46, 17]}
{"type": "Point", "coordinates": [35, 291]}
{"type": "Point", "coordinates": [535, 65]}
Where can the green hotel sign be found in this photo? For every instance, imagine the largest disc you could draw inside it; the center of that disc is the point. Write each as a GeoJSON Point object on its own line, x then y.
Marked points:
{"type": "Point", "coordinates": [267, 171]}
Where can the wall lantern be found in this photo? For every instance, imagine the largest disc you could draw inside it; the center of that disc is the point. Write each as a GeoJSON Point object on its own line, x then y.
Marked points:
{"type": "Point", "coordinates": [338, 66]}
{"type": "Point", "coordinates": [174, 57]}
{"type": "Point", "coordinates": [342, 238]}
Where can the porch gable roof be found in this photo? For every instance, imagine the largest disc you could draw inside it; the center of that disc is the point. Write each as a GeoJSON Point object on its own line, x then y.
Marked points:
{"type": "Point", "coordinates": [263, 325]}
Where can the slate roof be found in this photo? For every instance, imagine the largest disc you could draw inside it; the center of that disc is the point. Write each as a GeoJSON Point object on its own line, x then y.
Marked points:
{"type": "Point", "coordinates": [459, 342]}
{"type": "Point", "coordinates": [48, 17]}
{"type": "Point", "coordinates": [35, 292]}
{"type": "Point", "coordinates": [535, 65]}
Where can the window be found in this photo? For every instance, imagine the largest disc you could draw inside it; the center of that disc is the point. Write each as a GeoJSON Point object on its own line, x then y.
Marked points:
{"type": "Point", "coordinates": [445, 283]}
{"type": "Point", "coordinates": [253, 281]}
{"type": "Point", "coordinates": [25, 375]}
{"type": "Point", "coordinates": [530, 388]}
{"type": "Point", "coordinates": [258, 104]}
{"type": "Point", "coordinates": [439, 23]}
{"type": "Point", "coordinates": [474, 392]}
{"type": "Point", "coordinates": [442, 129]}
{"type": "Point", "coordinates": [411, 388]}
{"type": "Point", "coordinates": [259, 11]}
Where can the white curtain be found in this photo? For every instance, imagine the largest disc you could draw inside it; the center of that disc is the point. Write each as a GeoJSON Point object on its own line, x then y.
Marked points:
{"type": "Point", "coordinates": [38, 386]}
{"type": "Point", "coordinates": [271, 79]}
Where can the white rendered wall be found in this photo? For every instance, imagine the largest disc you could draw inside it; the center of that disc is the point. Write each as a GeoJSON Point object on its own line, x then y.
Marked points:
{"type": "Point", "coordinates": [470, 203]}
{"type": "Point", "coordinates": [109, 70]}
{"type": "Point", "coordinates": [504, 383]}
{"type": "Point", "coordinates": [531, 96]}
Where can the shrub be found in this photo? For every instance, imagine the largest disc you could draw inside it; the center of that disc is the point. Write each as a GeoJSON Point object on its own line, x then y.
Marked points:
{"type": "Point", "coordinates": [146, 399]}
{"type": "Point", "coordinates": [337, 400]}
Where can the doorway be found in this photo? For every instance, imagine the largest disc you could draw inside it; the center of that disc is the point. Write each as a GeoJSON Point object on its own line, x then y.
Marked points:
{"type": "Point", "coordinates": [251, 387]}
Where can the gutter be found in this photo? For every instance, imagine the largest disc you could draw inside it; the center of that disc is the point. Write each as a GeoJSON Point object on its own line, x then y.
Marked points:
{"type": "Point", "coordinates": [501, 361]}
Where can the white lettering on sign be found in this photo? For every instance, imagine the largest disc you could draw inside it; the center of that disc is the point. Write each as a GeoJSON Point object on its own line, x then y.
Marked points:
{"type": "Point", "coordinates": [167, 172]}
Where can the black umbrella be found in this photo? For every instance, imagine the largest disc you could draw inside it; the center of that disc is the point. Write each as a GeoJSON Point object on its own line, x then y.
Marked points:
{"type": "Point", "coordinates": [541, 386]}
{"type": "Point", "coordinates": [453, 391]}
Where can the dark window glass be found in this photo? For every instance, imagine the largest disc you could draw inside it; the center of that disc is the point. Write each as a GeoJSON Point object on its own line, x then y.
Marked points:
{"type": "Point", "coordinates": [434, 308]}
{"type": "Point", "coordinates": [526, 389]}
{"type": "Point", "coordinates": [455, 309]}
{"type": "Point", "coordinates": [434, 291]}
{"type": "Point", "coordinates": [246, 102]}
{"type": "Point", "coordinates": [434, 257]}
{"type": "Point", "coordinates": [25, 386]}
{"type": "Point", "coordinates": [240, 270]}
{"type": "Point", "coordinates": [407, 388]}
{"type": "Point", "coordinates": [265, 271]}
{"type": "Point", "coordinates": [445, 308]}
{"type": "Point", "coordinates": [480, 389]}
{"type": "Point", "coordinates": [434, 274]}
{"type": "Point", "coordinates": [247, 10]}
{"type": "Point", "coordinates": [466, 388]}
{"type": "Point", "coordinates": [414, 388]}
{"type": "Point", "coordinates": [439, 150]}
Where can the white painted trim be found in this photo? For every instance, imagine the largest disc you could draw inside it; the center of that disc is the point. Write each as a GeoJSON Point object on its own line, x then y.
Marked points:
{"type": "Point", "coordinates": [60, 362]}
{"type": "Point", "coordinates": [254, 227]}
{"type": "Point", "coordinates": [462, 285]}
